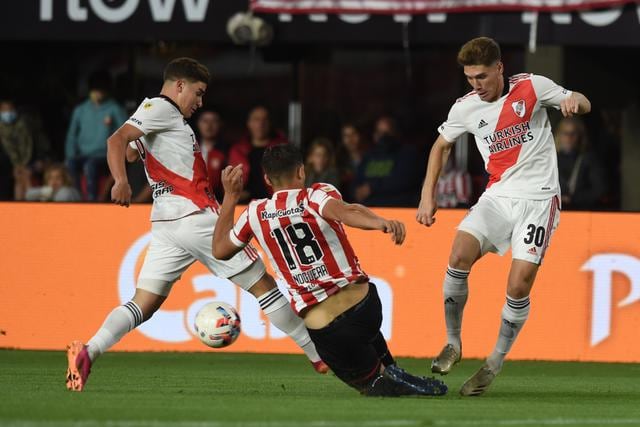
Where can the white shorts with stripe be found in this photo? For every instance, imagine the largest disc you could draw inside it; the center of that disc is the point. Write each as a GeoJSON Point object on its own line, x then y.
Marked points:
{"type": "Point", "coordinates": [525, 225]}
{"type": "Point", "coordinates": [177, 244]}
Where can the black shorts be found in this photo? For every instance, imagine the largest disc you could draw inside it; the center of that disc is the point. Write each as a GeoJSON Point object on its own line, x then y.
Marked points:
{"type": "Point", "coordinates": [350, 344]}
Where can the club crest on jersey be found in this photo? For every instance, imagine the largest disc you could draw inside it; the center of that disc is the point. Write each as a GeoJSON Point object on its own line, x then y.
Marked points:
{"type": "Point", "coordinates": [519, 108]}
{"type": "Point", "coordinates": [147, 105]}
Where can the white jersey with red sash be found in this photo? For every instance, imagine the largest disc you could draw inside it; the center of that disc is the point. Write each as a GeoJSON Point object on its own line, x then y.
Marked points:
{"type": "Point", "coordinates": [311, 253]}
{"type": "Point", "coordinates": [513, 136]}
{"type": "Point", "coordinates": [175, 169]}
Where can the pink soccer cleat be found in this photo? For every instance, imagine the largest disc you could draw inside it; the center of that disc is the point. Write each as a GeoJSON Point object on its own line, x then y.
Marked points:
{"type": "Point", "coordinates": [320, 367]}
{"type": "Point", "coordinates": [79, 366]}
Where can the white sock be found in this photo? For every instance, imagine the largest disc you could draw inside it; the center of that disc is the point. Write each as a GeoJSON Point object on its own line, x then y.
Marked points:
{"type": "Point", "coordinates": [455, 290]}
{"type": "Point", "coordinates": [120, 321]}
{"type": "Point", "coordinates": [514, 314]}
{"type": "Point", "coordinates": [276, 307]}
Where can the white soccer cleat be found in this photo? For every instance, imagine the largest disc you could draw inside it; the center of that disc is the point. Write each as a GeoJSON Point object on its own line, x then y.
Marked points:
{"type": "Point", "coordinates": [448, 357]}
{"type": "Point", "coordinates": [479, 382]}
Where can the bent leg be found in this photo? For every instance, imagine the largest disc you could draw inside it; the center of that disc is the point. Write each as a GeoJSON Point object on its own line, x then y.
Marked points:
{"type": "Point", "coordinates": [465, 252]}
{"type": "Point", "coordinates": [276, 307]}
{"type": "Point", "coordinates": [122, 320]}
{"type": "Point", "coordinates": [515, 310]}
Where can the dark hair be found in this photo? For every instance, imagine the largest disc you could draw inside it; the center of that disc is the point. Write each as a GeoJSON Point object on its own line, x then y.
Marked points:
{"type": "Point", "coordinates": [281, 159]}
{"type": "Point", "coordinates": [479, 51]}
{"type": "Point", "coordinates": [188, 69]}
{"type": "Point", "coordinates": [100, 80]}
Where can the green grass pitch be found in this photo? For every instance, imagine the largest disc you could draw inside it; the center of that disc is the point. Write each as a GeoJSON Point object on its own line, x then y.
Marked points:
{"type": "Point", "coordinates": [223, 389]}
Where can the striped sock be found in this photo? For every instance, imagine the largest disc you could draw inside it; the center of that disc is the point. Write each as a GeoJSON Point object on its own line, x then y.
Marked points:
{"type": "Point", "coordinates": [120, 321]}
{"type": "Point", "coordinates": [455, 291]}
{"type": "Point", "coordinates": [514, 313]}
{"type": "Point", "coordinates": [276, 307]}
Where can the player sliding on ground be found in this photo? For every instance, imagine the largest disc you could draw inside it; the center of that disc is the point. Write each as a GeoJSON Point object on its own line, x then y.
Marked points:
{"type": "Point", "coordinates": [301, 231]}
{"type": "Point", "coordinates": [521, 205]}
{"type": "Point", "coordinates": [183, 216]}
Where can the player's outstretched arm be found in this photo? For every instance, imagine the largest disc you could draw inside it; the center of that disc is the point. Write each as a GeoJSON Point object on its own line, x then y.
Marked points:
{"type": "Point", "coordinates": [223, 247]}
{"type": "Point", "coordinates": [359, 216]}
{"type": "Point", "coordinates": [116, 155]}
{"type": "Point", "coordinates": [576, 103]}
{"type": "Point", "coordinates": [438, 156]}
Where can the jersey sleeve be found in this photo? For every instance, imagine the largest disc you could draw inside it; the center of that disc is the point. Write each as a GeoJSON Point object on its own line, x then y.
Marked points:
{"type": "Point", "coordinates": [241, 233]}
{"type": "Point", "coordinates": [320, 194]}
{"type": "Point", "coordinates": [153, 115]}
{"type": "Point", "coordinates": [453, 127]}
{"type": "Point", "coordinates": [549, 92]}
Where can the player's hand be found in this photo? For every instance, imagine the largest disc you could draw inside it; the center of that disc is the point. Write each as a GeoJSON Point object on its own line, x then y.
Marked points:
{"type": "Point", "coordinates": [426, 212]}
{"type": "Point", "coordinates": [569, 106]}
{"type": "Point", "coordinates": [232, 180]}
{"type": "Point", "coordinates": [396, 229]}
{"type": "Point", "coordinates": [121, 194]}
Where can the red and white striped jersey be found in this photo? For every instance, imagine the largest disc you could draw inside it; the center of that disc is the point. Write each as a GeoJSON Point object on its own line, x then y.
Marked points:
{"type": "Point", "coordinates": [311, 253]}
{"type": "Point", "coordinates": [172, 160]}
{"type": "Point", "coordinates": [513, 136]}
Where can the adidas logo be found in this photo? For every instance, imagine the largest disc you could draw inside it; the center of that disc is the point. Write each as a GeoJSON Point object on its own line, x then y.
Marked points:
{"type": "Point", "coordinates": [482, 124]}
{"type": "Point", "coordinates": [533, 251]}
{"type": "Point", "coordinates": [450, 300]}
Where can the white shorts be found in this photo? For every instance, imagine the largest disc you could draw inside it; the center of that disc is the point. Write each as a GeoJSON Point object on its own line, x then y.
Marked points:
{"type": "Point", "coordinates": [525, 225]}
{"type": "Point", "coordinates": [177, 244]}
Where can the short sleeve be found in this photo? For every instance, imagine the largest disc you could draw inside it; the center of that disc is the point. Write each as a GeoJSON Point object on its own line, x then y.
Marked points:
{"type": "Point", "coordinates": [453, 127]}
{"type": "Point", "coordinates": [548, 92]}
{"type": "Point", "coordinates": [320, 194]}
{"type": "Point", "coordinates": [153, 115]}
{"type": "Point", "coordinates": [241, 234]}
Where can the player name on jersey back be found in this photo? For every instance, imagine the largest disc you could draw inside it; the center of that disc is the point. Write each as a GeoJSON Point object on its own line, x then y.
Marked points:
{"type": "Point", "coordinates": [513, 135]}
{"type": "Point", "coordinates": [173, 163]}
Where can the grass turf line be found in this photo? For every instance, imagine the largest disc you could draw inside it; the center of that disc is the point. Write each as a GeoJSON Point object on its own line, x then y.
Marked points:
{"type": "Point", "coordinates": [249, 390]}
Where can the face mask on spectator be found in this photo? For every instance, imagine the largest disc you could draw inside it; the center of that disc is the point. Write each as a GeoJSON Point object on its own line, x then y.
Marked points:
{"type": "Point", "coordinates": [8, 116]}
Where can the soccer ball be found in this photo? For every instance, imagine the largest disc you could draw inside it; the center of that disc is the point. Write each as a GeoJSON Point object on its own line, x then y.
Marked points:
{"type": "Point", "coordinates": [217, 324]}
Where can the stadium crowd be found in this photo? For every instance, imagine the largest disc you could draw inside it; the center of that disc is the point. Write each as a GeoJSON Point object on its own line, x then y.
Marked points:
{"type": "Point", "coordinates": [373, 163]}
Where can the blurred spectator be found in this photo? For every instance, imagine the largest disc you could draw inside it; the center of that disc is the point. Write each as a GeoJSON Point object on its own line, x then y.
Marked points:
{"type": "Point", "coordinates": [248, 152]}
{"type": "Point", "coordinates": [24, 143]}
{"type": "Point", "coordinates": [582, 180]}
{"type": "Point", "coordinates": [389, 174]}
{"type": "Point", "coordinates": [58, 187]}
{"type": "Point", "coordinates": [608, 147]}
{"type": "Point", "coordinates": [454, 186]}
{"type": "Point", "coordinates": [92, 122]}
{"type": "Point", "coordinates": [320, 165]}
{"type": "Point", "coordinates": [214, 149]}
{"type": "Point", "coordinates": [385, 126]}
{"type": "Point", "coordinates": [351, 152]}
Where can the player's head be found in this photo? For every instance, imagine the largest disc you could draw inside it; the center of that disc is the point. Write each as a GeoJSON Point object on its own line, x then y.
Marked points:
{"type": "Point", "coordinates": [185, 82]}
{"type": "Point", "coordinates": [481, 60]}
{"type": "Point", "coordinates": [283, 167]}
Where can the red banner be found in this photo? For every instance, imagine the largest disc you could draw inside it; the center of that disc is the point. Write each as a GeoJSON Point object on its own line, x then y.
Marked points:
{"type": "Point", "coordinates": [388, 7]}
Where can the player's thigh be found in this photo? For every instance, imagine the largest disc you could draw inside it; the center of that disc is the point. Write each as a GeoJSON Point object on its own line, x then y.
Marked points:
{"type": "Point", "coordinates": [346, 343]}
{"type": "Point", "coordinates": [488, 221]}
{"type": "Point", "coordinates": [244, 269]}
{"type": "Point", "coordinates": [164, 262]}
{"type": "Point", "coordinates": [537, 221]}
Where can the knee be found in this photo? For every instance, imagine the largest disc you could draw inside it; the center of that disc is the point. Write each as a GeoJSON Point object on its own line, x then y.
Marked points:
{"type": "Point", "coordinates": [458, 259]}
{"type": "Point", "coordinates": [519, 288]}
{"type": "Point", "coordinates": [262, 286]}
